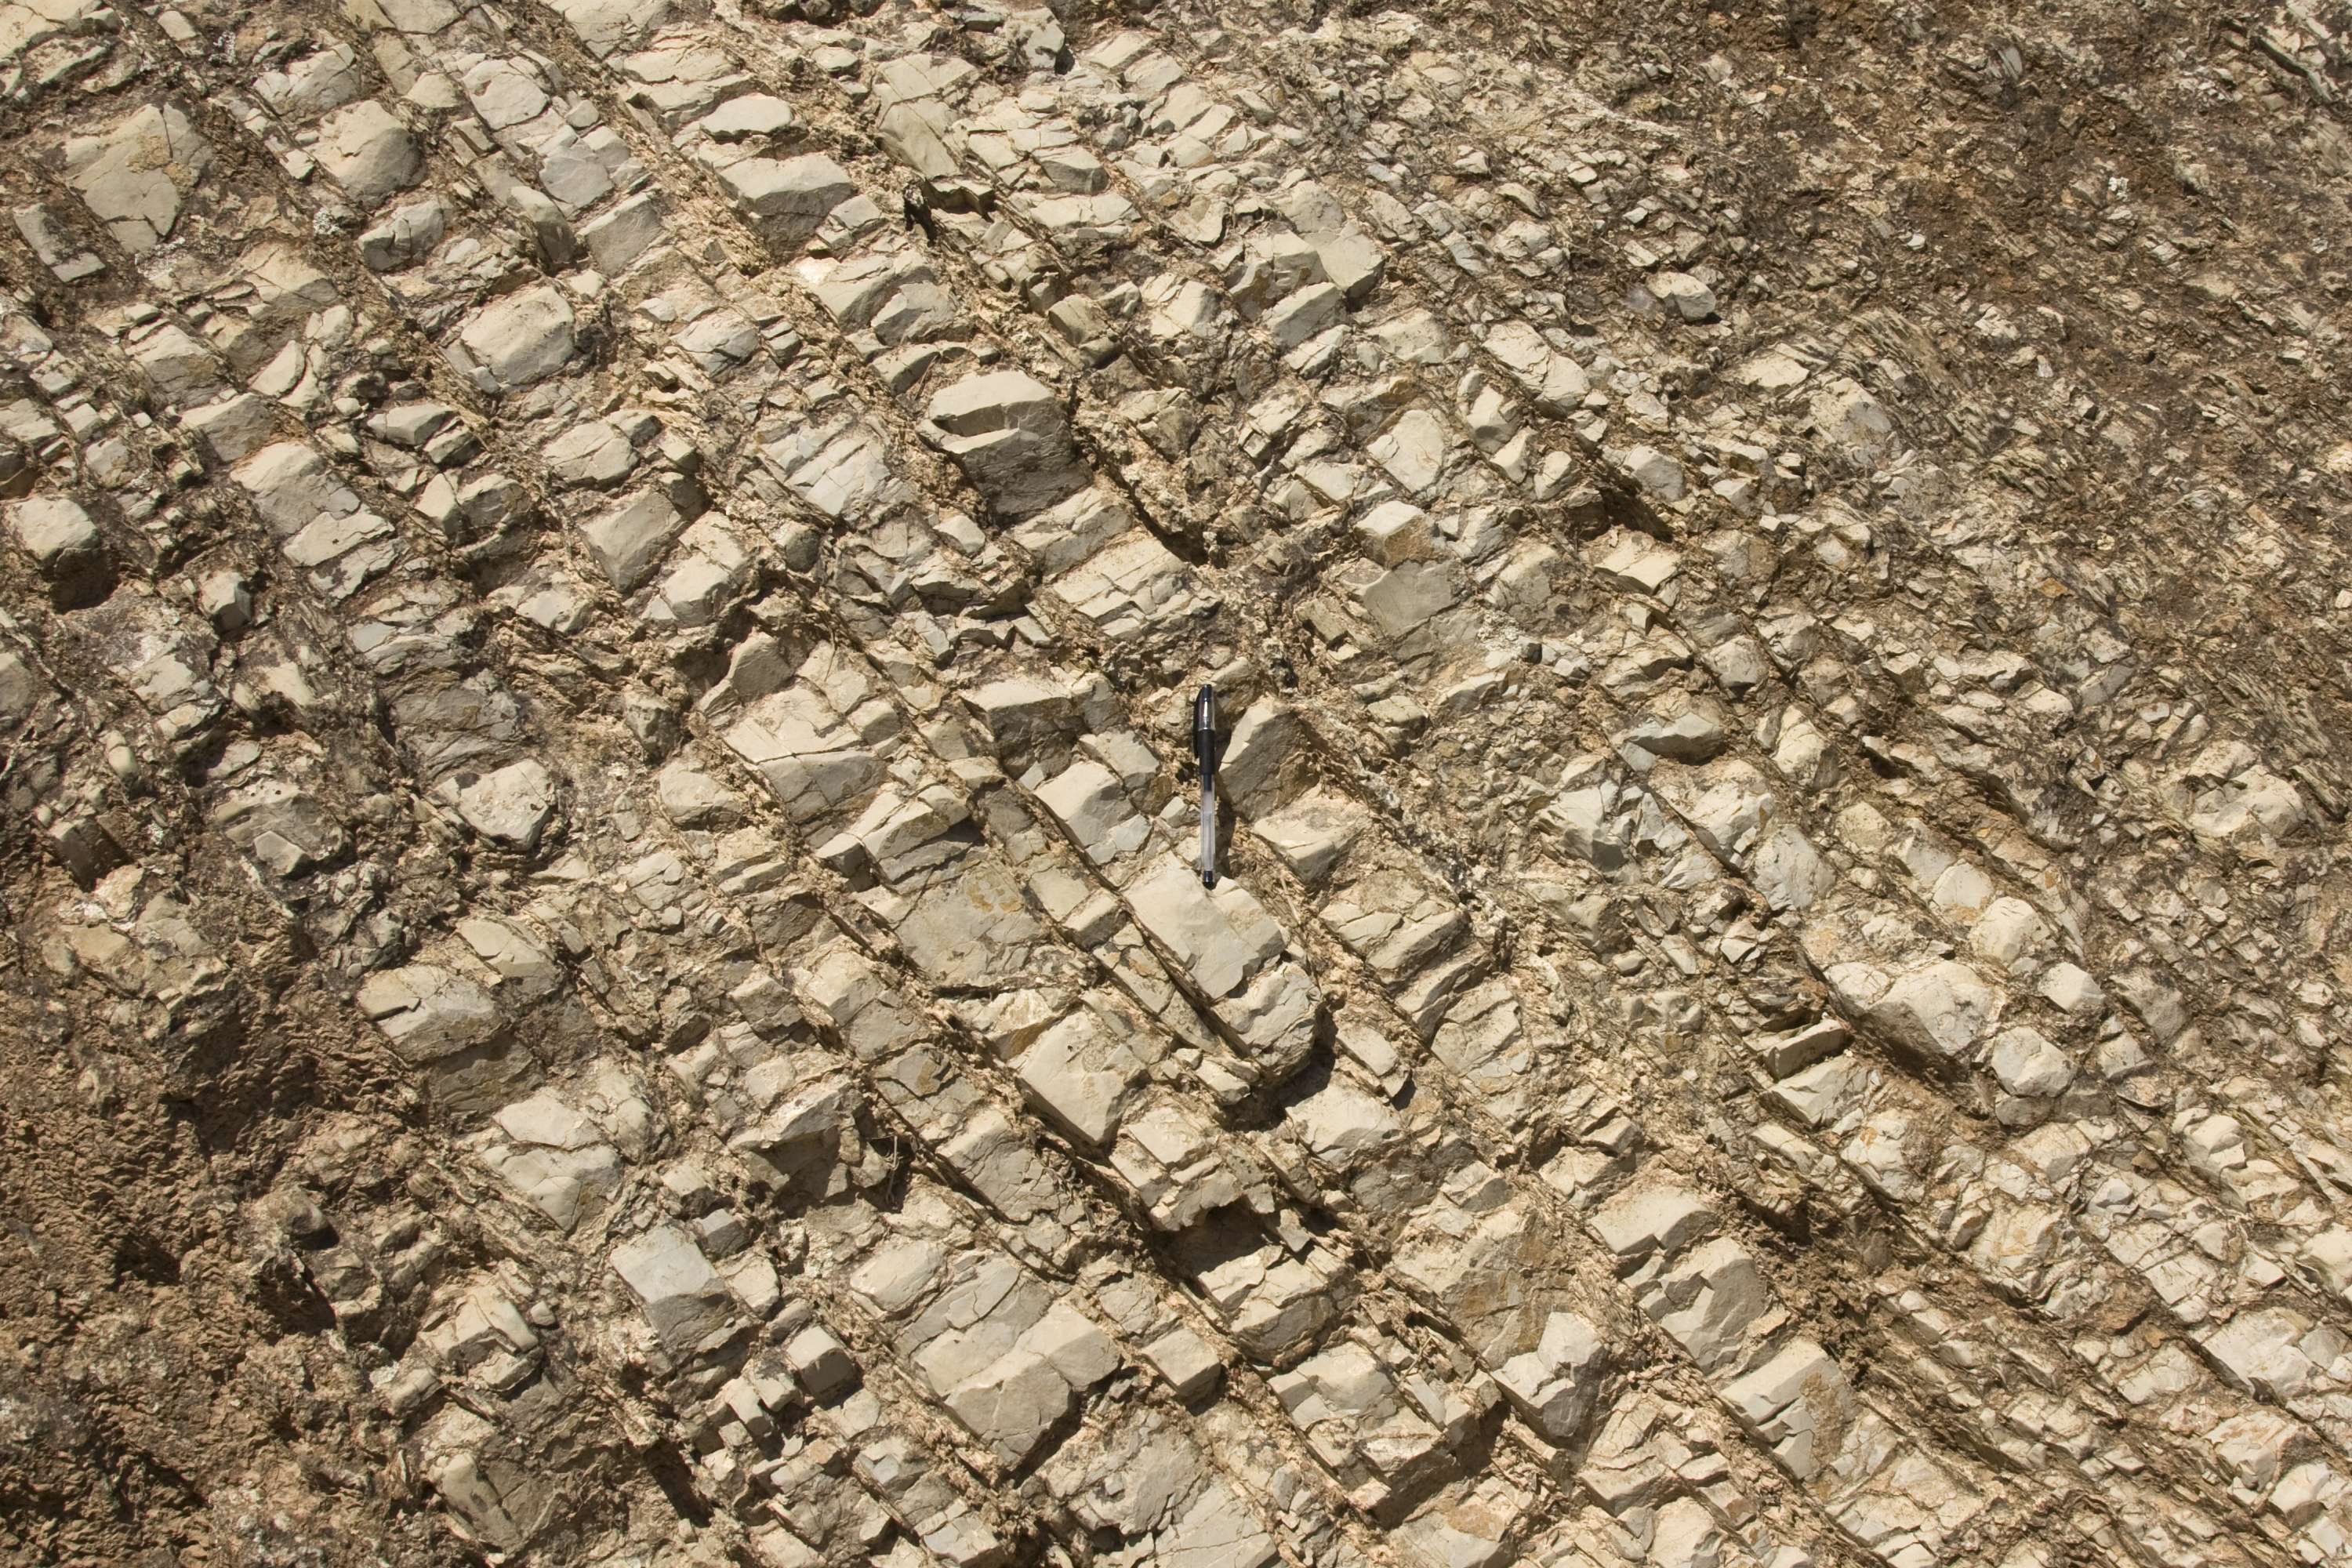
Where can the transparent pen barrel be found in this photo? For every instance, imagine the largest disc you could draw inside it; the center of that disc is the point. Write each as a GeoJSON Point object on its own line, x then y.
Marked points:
{"type": "Point", "coordinates": [1208, 828]}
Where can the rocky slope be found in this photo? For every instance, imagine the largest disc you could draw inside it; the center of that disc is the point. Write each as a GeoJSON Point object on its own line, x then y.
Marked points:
{"type": "Point", "coordinates": [601, 603]}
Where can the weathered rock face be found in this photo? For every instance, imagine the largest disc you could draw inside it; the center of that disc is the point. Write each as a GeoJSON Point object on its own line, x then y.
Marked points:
{"type": "Point", "coordinates": [598, 604]}
{"type": "Point", "coordinates": [133, 175]}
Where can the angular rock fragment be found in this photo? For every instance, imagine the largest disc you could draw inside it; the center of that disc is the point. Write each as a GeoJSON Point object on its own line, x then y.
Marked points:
{"type": "Point", "coordinates": [509, 806]}
{"type": "Point", "coordinates": [369, 151]}
{"type": "Point", "coordinates": [1081, 1074]}
{"type": "Point", "coordinates": [1006, 1359]}
{"type": "Point", "coordinates": [1185, 1360]}
{"type": "Point", "coordinates": [1360, 1423]}
{"type": "Point", "coordinates": [1312, 834]}
{"type": "Point", "coordinates": [1650, 1219]}
{"type": "Point", "coordinates": [1009, 434]}
{"type": "Point", "coordinates": [1088, 800]}
{"type": "Point", "coordinates": [629, 538]}
{"type": "Point", "coordinates": [56, 249]}
{"type": "Point", "coordinates": [427, 1012]}
{"type": "Point", "coordinates": [689, 1306]}
{"type": "Point", "coordinates": [135, 174]}
{"type": "Point", "coordinates": [1938, 1011]}
{"type": "Point", "coordinates": [1341, 1125]}
{"type": "Point", "coordinates": [519, 339]}
{"type": "Point", "coordinates": [1554, 1384]}
{"type": "Point", "coordinates": [1797, 1402]}
{"type": "Point", "coordinates": [1132, 588]}
{"type": "Point", "coordinates": [2028, 1064]}
{"type": "Point", "coordinates": [1350, 258]}
{"type": "Point", "coordinates": [606, 26]}
{"type": "Point", "coordinates": [404, 236]}
{"type": "Point", "coordinates": [1221, 936]}
{"type": "Point", "coordinates": [1683, 294]}
{"type": "Point", "coordinates": [555, 1159]}
{"type": "Point", "coordinates": [788, 198]}
{"type": "Point", "coordinates": [616, 239]}
{"type": "Point", "coordinates": [66, 547]}
{"type": "Point", "coordinates": [283, 828]}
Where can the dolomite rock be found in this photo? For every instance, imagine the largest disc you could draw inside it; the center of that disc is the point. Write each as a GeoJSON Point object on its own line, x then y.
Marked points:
{"type": "Point", "coordinates": [370, 153]}
{"type": "Point", "coordinates": [405, 235]}
{"type": "Point", "coordinates": [788, 197]}
{"type": "Point", "coordinates": [1796, 1402]}
{"type": "Point", "coordinates": [681, 1294]}
{"type": "Point", "coordinates": [2028, 1064]}
{"type": "Point", "coordinates": [134, 175]}
{"type": "Point", "coordinates": [1221, 936]}
{"type": "Point", "coordinates": [1008, 432]}
{"type": "Point", "coordinates": [427, 1011]}
{"type": "Point", "coordinates": [596, 611]}
{"type": "Point", "coordinates": [1938, 1011]}
{"type": "Point", "coordinates": [64, 547]}
{"type": "Point", "coordinates": [1554, 1384]}
{"type": "Point", "coordinates": [510, 805]}
{"type": "Point", "coordinates": [1685, 295]}
{"type": "Point", "coordinates": [520, 339]}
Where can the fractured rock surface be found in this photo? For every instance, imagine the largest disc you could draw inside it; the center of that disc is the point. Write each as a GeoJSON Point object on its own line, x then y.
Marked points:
{"type": "Point", "coordinates": [598, 605]}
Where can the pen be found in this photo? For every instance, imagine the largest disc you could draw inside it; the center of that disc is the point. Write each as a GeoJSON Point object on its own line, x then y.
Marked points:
{"type": "Point", "coordinates": [1204, 751]}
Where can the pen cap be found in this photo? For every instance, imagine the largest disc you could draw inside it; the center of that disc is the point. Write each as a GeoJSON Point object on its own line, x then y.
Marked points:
{"type": "Point", "coordinates": [1204, 725]}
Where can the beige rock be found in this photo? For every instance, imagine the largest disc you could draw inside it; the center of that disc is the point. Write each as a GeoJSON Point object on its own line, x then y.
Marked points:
{"type": "Point", "coordinates": [1220, 936]}
{"type": "Point", "coordinates": [134, 175]}
{"type": "Point", "coordinates": [520, 338]}
{"type": "Point", "coordinates": [427, 1011]}
{"type": "Point", "coordinates": [369, 151]}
